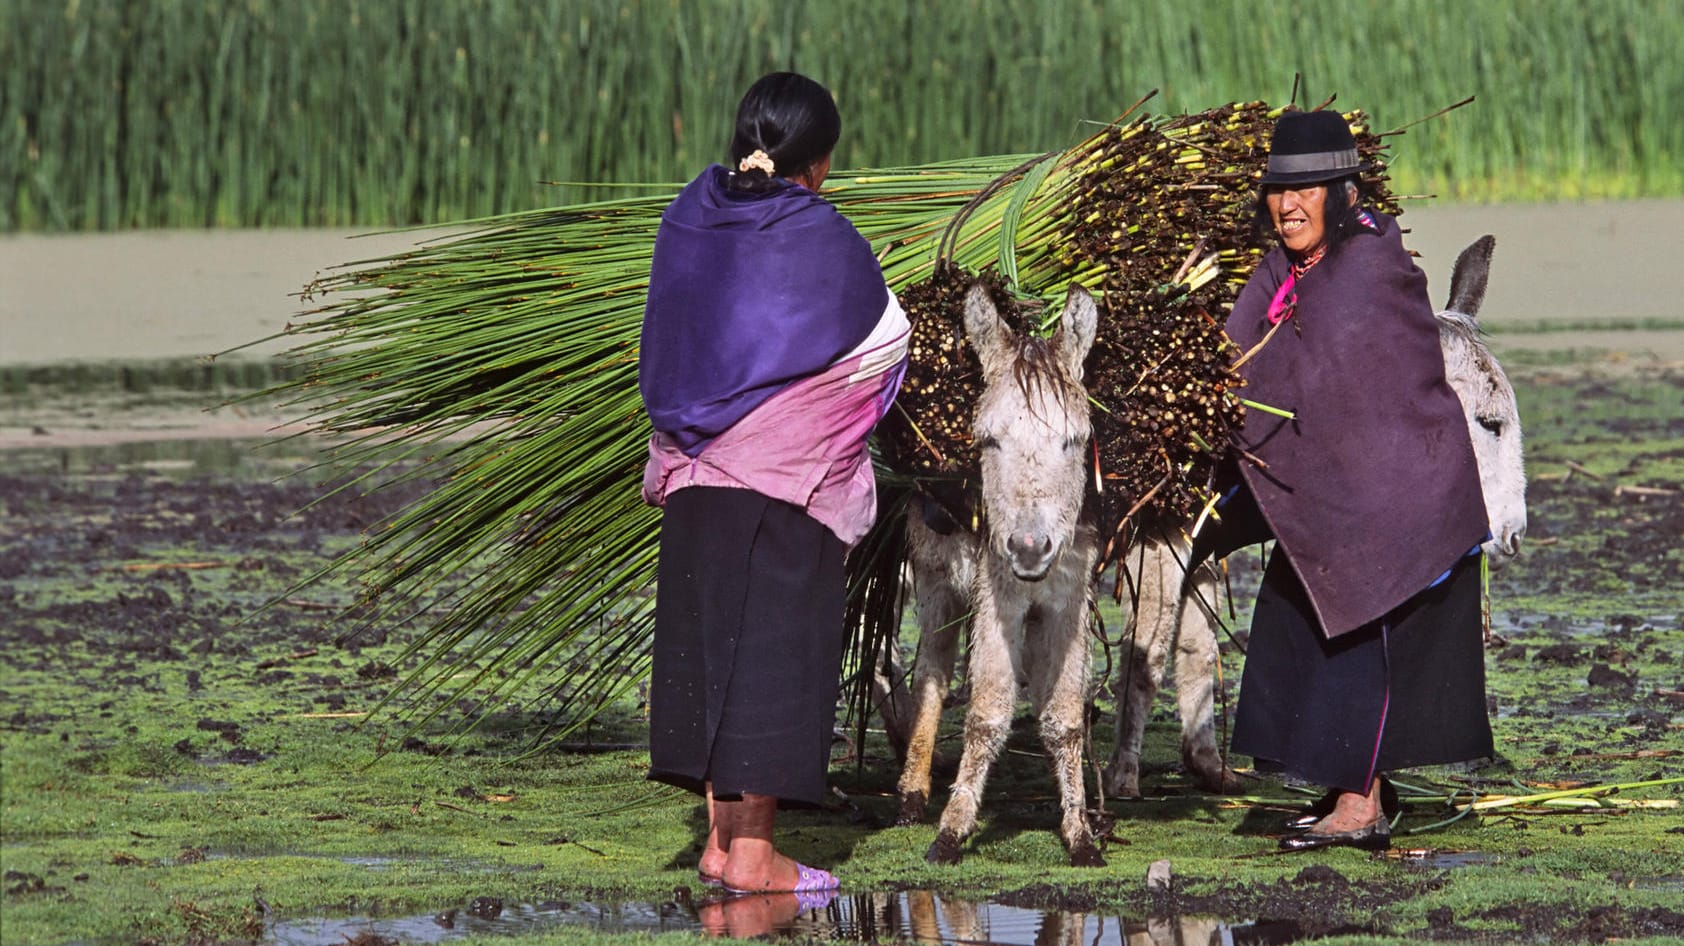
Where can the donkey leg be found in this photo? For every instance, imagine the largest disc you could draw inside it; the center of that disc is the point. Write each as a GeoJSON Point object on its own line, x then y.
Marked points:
{"type": "Point", "coordinates": [993, 674]}
{"type": "Point", "coordinates": [1195, 685]}
{"type": "Point", "coordinates": [892, 700]}
{"type": "Point", "coordinates": [1139, 677]}
{"type": "Point", "coordinates": [1061, 668]}
{"type": "Point", "coordinates": [1136, 686]}
{"type": "Point", "coordinates": [943, 573]}
{"type": "Point", "coordinates": [940, 612]}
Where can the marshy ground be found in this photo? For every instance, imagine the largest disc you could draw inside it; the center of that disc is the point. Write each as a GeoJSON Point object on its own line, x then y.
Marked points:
{"type": "Point", "coordinates": [183, 765]}
{"type": "Point", "coordinates": [180, 764]}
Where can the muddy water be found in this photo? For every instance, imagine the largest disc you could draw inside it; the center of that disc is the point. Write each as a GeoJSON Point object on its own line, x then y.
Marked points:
{"type": "Point", "coordinates": [910, 916]}
{"type": "Point", "coordinates": [158, 294]}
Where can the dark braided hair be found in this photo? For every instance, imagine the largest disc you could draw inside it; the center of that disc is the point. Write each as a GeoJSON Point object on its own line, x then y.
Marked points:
{"type": "Point", "coordinates": [791, 118]}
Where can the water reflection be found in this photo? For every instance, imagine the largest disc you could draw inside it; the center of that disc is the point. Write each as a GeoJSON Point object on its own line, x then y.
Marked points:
{"type": "Point", "coordinates": [460, 922]}
{"type": "Point", "coordinates": [917, 916]}
{"type": "Point", "coordinates": [923, 916]}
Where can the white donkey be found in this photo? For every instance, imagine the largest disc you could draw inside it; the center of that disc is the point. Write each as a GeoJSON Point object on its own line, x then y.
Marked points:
{"type": "Point", "coordinates": [1026, 577]}
{"type": "Point", "coordinates": [1487, 401]}
{"type": "Point", "coordinates": [1175, 608]}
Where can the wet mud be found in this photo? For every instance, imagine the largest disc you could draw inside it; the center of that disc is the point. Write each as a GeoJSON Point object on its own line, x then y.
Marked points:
{"type": "Point", "coordinates": [119, 579]}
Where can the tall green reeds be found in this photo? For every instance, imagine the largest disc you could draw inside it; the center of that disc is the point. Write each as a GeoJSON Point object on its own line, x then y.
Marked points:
{"type": "Point", "coordinates": [374, 112]}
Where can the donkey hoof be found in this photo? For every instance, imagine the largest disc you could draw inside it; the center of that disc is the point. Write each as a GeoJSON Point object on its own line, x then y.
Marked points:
{"type": "Point", "coordinates": [944, 849]}
{"type": "Point", "coordinates": [1220, 783]}
{"type": "Point", "coordinates": [1209, 773]}
{"type": "Point", "coordinates": [911, 809]}
{"type": "Point", "coordinates": [1122, 783]}
{"type": "Point", "coordinates": [1086, 855]}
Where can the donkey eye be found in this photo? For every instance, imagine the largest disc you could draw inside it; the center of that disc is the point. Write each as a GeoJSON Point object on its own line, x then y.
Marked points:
{"type": "Point", "coordinates": [1493, 424]}
{"type": "Point", "coordinates": [985, 442]}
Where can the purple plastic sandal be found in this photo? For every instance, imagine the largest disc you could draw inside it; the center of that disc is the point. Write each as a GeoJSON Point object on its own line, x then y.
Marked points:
{"type": "Point", "coordinates": [813, 880]}
{"type": "Point", "coordinates": [807, 880]}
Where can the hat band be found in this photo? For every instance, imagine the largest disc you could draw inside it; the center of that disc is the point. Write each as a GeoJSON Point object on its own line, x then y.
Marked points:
{"type": "Point", "coordinates": [1314, 161]}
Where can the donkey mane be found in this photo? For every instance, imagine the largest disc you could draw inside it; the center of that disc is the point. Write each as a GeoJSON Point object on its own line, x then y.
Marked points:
{"type": "Point", "coordinates": [1036, 370]}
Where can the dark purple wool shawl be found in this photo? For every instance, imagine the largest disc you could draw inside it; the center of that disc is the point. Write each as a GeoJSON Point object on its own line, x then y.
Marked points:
{"type": "Point", "coordinates": [748, 293]}
{"type": "Point", "coordinates": [1372, 490]}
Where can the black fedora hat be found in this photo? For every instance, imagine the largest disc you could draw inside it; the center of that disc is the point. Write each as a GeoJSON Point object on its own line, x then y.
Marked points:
{"type": "Point", "coordinates": [1311, 147]}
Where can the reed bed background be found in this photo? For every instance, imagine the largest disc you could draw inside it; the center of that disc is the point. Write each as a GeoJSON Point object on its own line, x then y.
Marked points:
{"type": "Point", "coordinates": [145, 113]}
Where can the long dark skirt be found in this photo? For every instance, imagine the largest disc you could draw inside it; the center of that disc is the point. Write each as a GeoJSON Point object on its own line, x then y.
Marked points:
{"type": "Point", "coordinates": [1407, 690]}
{"type": "Point", "coordinates": [748, 646]}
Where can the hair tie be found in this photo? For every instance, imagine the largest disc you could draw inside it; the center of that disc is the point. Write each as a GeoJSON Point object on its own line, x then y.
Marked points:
{"type": "Point", "coordinates": [759, 160]}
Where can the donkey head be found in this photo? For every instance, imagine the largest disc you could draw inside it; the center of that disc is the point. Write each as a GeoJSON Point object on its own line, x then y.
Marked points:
{"type": "Point", "coordinates": [1032, 430]}
{"type": "Point", "coordinates": [1487, 401]}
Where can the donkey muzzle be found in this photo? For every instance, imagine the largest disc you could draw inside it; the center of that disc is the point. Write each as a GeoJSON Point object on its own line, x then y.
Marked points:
{"type": "Point", "coordinates": [1031, 555]}
{"type": "Point", "coordinates": [1504, 547]}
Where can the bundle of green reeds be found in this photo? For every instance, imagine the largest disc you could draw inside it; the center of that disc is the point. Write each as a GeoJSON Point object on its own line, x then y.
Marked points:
{"type": "Point", "coordinates": [928, 431]}
{"type": "Point", "coordinates": [1175, 198]}
{"type": "Point", "coordinates": [1156, 217]}
{"type": "Point", "coordinates": [502, 363]}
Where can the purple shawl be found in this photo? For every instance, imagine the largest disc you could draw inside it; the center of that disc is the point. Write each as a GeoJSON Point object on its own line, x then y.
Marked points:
{"type": "Point", "coordinates": [748, 294]}
{"type": "Point", "coordinates": [1372, 490]}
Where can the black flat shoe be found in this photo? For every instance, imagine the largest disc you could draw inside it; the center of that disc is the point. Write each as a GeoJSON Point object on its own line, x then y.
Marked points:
{"type": "Point", "coordinates": [1374, 836]}
{"type": "Point", "coordinates": [1323, 806]}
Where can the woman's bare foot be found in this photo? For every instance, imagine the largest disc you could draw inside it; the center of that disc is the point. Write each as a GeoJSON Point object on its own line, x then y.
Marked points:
{"type": "Point", "coordinates": [756, 865]}
{"type": "Point", "coordinates": [753, 863]}
{"type": "Point", "coordinates": [1352, 811]}
{"type": "Point", "coordinates": [716, 851]}
{"type": "Point", "coordinates": [711, 868]}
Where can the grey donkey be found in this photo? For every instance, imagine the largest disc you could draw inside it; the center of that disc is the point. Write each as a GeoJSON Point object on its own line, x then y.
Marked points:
{"type": "Point", "coordinates": [1025, 577]}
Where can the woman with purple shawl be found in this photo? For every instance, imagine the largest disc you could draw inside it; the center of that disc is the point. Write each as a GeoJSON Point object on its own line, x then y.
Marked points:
{"type": "Point", "coordinates": [1365, 653]}
{"type": "Point", "coordinates": [771, 346]}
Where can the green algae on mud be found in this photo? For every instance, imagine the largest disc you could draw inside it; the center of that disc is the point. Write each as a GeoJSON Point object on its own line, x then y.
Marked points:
{"type": "Point", "coordinates": [180, 767]}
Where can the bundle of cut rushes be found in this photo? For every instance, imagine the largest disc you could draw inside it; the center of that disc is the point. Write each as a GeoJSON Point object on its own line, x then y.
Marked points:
{"type": "Point", "coordinates": [499, 365]}
{"type": "Point", "coordinates": [1156, 218]}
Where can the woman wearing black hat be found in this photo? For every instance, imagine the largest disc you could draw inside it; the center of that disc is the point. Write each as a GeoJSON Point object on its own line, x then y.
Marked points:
{"type": "Point", "coordinates": [1366, 653]}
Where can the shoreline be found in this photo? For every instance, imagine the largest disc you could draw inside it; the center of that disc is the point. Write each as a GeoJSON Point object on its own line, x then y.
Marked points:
{"type": "Point", "coordinates": [143, 298]}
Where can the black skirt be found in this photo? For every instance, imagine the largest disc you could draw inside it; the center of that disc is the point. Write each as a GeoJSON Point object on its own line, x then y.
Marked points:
{"type": "Point", "coordinates": [748, 646]}
{"type": "Point", "coordinates": [1406, 690]}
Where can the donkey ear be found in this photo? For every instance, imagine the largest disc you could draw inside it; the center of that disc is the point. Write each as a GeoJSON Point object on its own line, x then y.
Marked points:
{"type": "Point", "coordinates": [1076, 328]}
{"type": "Point", "coordinates": [983, 326]}
{"type": "Point", "coordinates": [1470, 275]}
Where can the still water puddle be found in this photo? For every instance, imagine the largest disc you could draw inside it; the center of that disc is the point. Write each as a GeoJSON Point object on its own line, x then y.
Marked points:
{"type": "Point", "coordinates": [1444, 860]}
{"type": "Point", "coordinates": [911, 916]}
